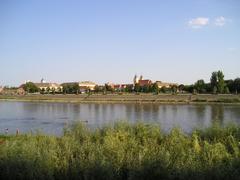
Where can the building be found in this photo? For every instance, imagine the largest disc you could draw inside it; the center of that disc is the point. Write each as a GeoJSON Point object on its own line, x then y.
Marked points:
{"type": "Point", "coordinates": [144, 82]}
{"type": "Point", "coordinates": [120, 87]}
{"type": "Point", "coordinates": [44, 86]}
{"type": "Point", "coordinates": [141, 81]}
{"type": "Point", "coordinates": [86, 85]}
{"type": "Point", "coordinates": [1, 89]}
{"type": "Point", "coordinates": [164, 84]}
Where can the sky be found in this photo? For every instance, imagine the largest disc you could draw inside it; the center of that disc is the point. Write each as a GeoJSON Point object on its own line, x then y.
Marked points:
{"type": "Point", "coordinates": [112, 40]}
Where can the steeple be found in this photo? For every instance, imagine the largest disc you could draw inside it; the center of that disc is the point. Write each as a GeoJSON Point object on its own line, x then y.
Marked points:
{"type": "Point", "coordinates": [135, 79]}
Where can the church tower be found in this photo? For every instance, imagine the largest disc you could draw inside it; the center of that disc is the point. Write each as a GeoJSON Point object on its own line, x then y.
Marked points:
{"type": "Point", "coordinates": [135, 80]}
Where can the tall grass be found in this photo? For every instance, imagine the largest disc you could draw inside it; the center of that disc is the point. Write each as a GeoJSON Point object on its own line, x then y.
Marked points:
{"type": "Point", "coordinates": [124, 151]}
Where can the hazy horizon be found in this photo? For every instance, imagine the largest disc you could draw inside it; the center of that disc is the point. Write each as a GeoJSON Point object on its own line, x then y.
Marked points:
{"type": "Point", "coordinates": [111, 41]}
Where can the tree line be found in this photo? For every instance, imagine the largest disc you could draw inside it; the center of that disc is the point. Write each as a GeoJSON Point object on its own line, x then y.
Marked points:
{"type": "Point", "coordinates": [216, 85]}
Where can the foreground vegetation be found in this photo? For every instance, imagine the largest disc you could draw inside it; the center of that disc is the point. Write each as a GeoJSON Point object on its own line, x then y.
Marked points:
{"type": "Point", "coordinates": [123, 152]}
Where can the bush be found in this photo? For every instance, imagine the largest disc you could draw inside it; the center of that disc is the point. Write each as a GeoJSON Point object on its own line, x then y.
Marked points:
{"type": "Point", "coordinates": [124, 151]}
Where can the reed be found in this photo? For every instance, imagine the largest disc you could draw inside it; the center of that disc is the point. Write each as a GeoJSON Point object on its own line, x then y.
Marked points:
{"type": "Point", "coordinates": [123, 151]}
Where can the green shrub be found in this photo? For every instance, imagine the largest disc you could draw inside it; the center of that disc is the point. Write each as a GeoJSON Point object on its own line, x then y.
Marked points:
{"type": "Point", "coordinates": [123, 151]}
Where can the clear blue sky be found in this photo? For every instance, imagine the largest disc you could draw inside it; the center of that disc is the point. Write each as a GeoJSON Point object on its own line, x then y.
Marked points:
{"type": "Point", "coordinates": [111, 40]}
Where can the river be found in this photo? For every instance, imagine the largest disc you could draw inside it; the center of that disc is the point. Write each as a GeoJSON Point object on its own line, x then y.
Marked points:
{"type": "Point", "coordinates": [50, 118]}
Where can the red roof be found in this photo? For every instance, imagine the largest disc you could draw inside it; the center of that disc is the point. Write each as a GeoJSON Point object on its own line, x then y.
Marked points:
{"type": "Point", "coordinates": [145, 82]}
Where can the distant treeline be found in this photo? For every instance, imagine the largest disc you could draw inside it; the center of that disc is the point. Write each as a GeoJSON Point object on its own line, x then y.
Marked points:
{"type": "Point", "coordinates": [217, 85]}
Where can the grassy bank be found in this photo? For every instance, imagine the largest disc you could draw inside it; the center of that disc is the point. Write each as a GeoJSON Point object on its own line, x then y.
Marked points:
{"type": "Point", "coordinates": [128, 98]}
{"type": "Point", "coordinates": [123, 152]}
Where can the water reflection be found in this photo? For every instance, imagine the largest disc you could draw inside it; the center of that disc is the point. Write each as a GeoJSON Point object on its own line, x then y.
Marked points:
{"type": "Point", "coordinates": [51, 117]}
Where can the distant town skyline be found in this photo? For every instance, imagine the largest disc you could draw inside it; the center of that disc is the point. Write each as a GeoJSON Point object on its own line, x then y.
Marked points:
{"type": "Point", "coordinates": [111, 41]}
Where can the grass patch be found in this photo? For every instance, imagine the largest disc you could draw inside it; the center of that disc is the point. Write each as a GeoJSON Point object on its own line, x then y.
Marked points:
{"type": "Point", "coordinates": [124, 151]}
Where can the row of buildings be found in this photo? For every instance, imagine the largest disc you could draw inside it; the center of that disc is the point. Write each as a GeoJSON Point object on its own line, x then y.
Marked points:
{"type": "Point", "coordinates": [88, 85]}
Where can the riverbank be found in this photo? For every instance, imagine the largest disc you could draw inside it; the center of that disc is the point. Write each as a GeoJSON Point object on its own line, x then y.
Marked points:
{"type": "Point", "coordinates": [128, 98]}
{"type": "Point", "coordinates": [123, 152]}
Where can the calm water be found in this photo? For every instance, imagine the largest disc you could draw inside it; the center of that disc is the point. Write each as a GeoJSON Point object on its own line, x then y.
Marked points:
{"type": "Point", "coordinates": [51, 117]}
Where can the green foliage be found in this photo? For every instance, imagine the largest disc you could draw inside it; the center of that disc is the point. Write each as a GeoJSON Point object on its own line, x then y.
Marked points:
{"type": "Point", "coordinates": [70, 88]}
{"type": "Point", "coordinates": [200, 86]}
{"type": "Point", "coordinates": [30, 87]}
{"type": "Point", "coordinates": [217, 81]}
{"type": "Point", "coordinates": [137, 88]}
{"type": "Point", "coordinates": [221, 83]}
{"type": "Point", "coordinates": [123, 151]}
{"type": "Point", "coordinates": [236, 85]}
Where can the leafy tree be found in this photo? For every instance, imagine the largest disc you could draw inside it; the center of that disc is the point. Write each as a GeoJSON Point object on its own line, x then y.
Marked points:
{"type": "Point", "coordinates": [163, 89]}
{"type": "Point", "coordinates": [97, 89]}
{"type": "Point", "coordinates": [75, 88]}
{"type": "Point", "coordinates": [226, 90]}
{"type": "Point", "coordinates": [137, 87]}
{"type": "Point", "coordinates": [221, 83]}
{"type": "Point", "coordinates": [188, 88]}
{"type": "Point", "coordinates": [174, 89]}
{"type": "Point", "coordinates": [215, 90]}
{"type": "Point", "coordinates": [200, 86]}
{"type": "Point", "coordinates": [181, 88]}
{"type": "Point", "coordinates": [217, 80]}
{"type": "Point", "coordinates": [146, 88]}
{"type": "Point", "coordinates": [109, 88]}
{"type": "Point", "coordinates": [214, 80]}
{"type": "Point", "coordinates": [48, 90]}
{"type": "Point", "coordinates": [30, 87]}
{"type": "Point", "coordinates": [129, 88]}
{"type": "Point", "coordinates": [155, 88]}
{"type": "Point", "coordinates": [53, 90]}
{"type": "Point", "coordinates": [59, 90]}
{"type": "Point", "coordinates": [230, 85]}
{"type": "Point", "coordinates": [236, 85]}
{"type": "Point", "coordinates": [42, 91]}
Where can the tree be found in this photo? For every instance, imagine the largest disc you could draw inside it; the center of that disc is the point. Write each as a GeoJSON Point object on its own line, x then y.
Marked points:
{"type": "Point", "coordinates": [164, 89]}
{"type": "Point", "coordinates": [181, 88]}
{"type": "Point", "coordinates": [146, 88]}
{"type": "Point", "coordinates": [230, 84]}
{"type": "Point", "coordinates": [226, 90]}
{"type": "Point", "coordinates": [30, 87]}
{"type": "Point", "coordinates": [48, 90]}
{"type": "Point", "coordinates": [213, 80]}
{"type": "Point", "coordinates": [174, 89]}
{"type": "Point", "coordinates": [217, 81]}
{"type": "Point", "coordinates": [155, 88]}
{"type": "Point", "coordinates": [42, 91]}
{"type": "Point", "coordinates": [97, 89]}
{"type": "Point", "coordinates": [75, 88]}
{"type": "Point", "coordinates": [109, 88]}
{"type": "Point", "coordinates": [221, 83]}
{"type": "Point", "coordinates": [128, 88]}
{"type": "Point", "coordinates": [200, 86]}
{"type": "Point", "coordinates": [53, 90]}
{"type": "Point", "coordinates": [188, 88]}
{"type": "Point", "coordinates": [137, 87]}
{"type": "Point", "coordinates": [236, 85]}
